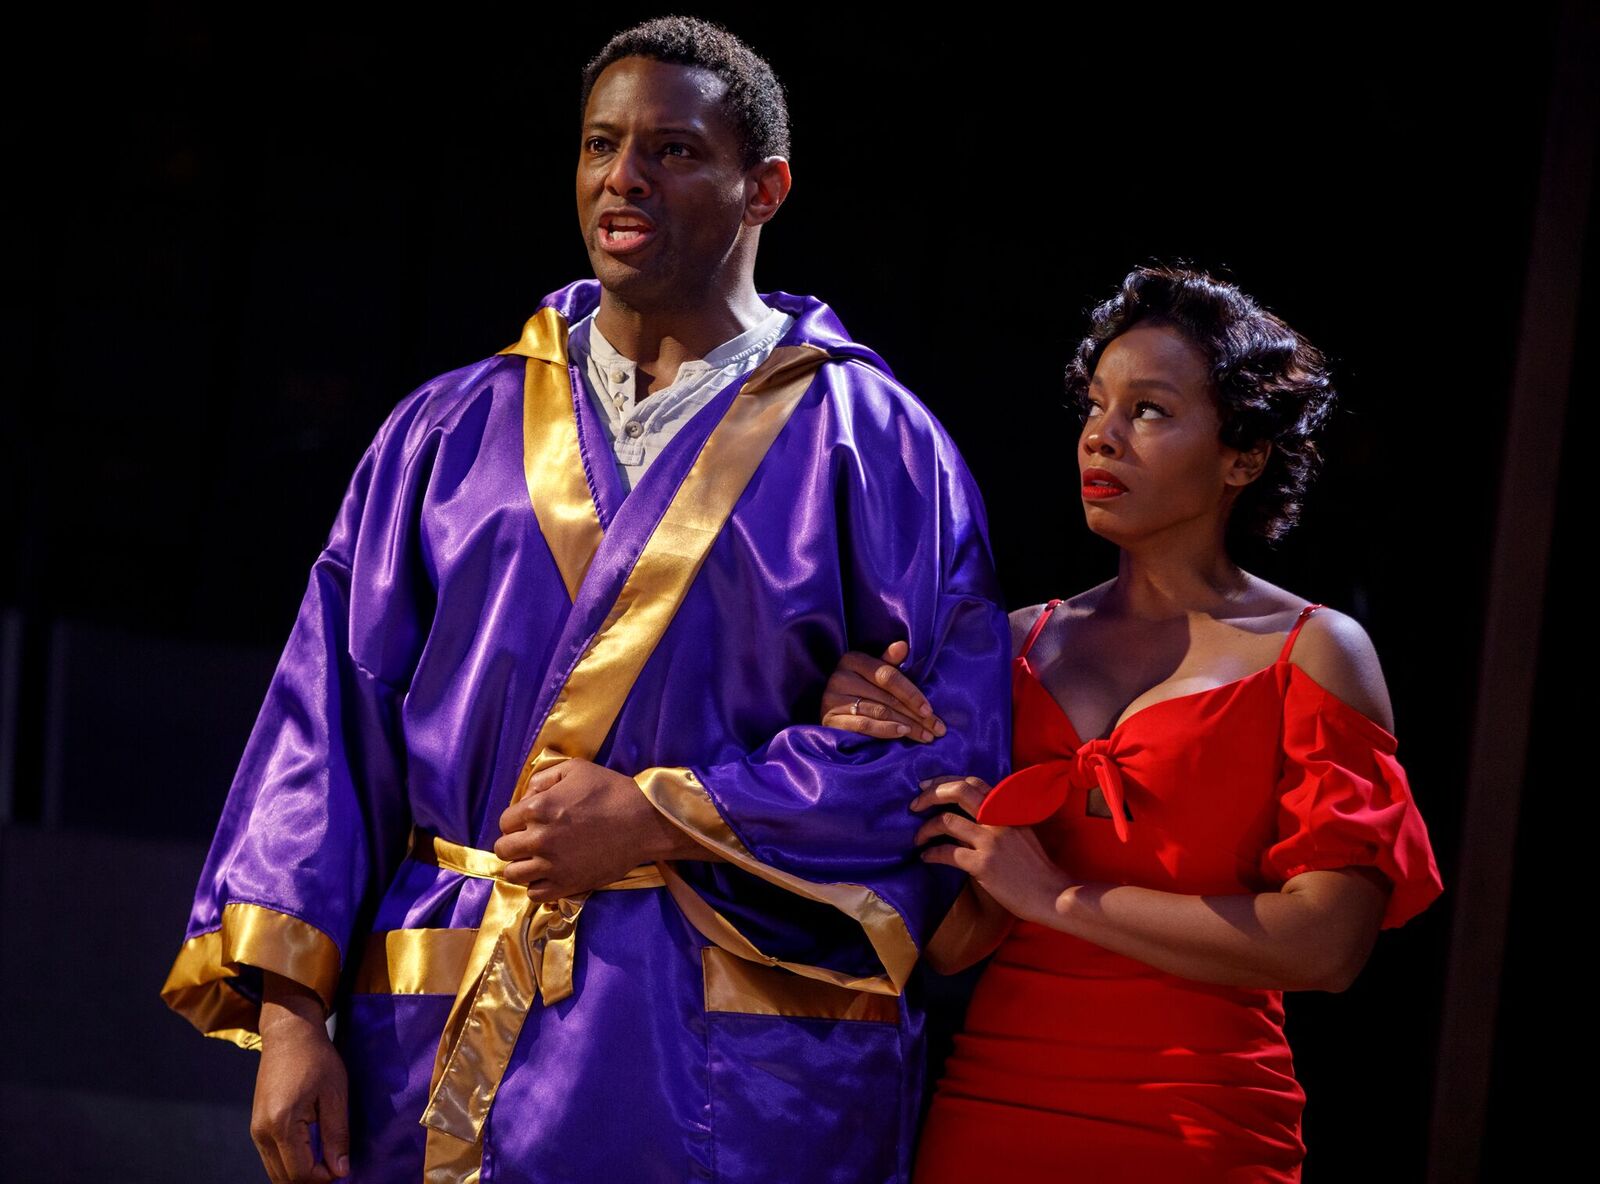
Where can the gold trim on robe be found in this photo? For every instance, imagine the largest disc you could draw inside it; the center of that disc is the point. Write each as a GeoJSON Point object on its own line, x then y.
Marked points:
{"type": "Point", "coordinates": [681, 797]}
{"type": "Point", "coordinates": [552, 461]}
{"type": "Point", "coordinates": [524, 950]}
{"type": "Point", "coordinates": [198, 986]}
{"type": "Point", "coordinates": [598, 686]}
{"type": "Point", "coordinates": [736, 985]}
{"type": "Point", "coordinates": [469, 861]}
{"type": "Point", "coordinates": [544, 338]}
{"type": "Point", "coordinates": [486, 865]}
{"type": "Point", "coordinates": [414, 962]}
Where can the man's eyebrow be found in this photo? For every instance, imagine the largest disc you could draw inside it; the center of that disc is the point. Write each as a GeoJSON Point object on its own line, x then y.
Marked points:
{"type": "Point", "coordinates": [600, 125]}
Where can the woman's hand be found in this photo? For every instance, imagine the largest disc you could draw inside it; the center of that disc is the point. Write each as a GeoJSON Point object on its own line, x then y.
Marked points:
{"type": "Point", "coordinates": [869, 695]}
{"type": "Point", "coordinates": [1006, 862]}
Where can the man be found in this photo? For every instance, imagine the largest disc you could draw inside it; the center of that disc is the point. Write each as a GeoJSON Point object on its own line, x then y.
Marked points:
{"type": "Point", "coordinates": [525, 803]}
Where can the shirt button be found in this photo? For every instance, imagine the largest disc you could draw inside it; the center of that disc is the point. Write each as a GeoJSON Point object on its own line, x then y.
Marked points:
{"type": "Point", "coordinates": [619, 376]}
{"type": "Point", "coordinates": [634, 429]}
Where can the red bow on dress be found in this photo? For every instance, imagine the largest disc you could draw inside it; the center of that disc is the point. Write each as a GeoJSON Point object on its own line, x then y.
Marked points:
{"type": "Point", "coordinates": [1033, 794]}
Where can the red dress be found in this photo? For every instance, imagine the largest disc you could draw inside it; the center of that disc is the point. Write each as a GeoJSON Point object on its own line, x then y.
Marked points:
{"type": "Point", "coordinates": [1078, 1064]}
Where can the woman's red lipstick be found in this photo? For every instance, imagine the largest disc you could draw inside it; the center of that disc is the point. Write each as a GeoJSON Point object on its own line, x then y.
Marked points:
{"type": "Point", "coordinates": [1099, 484]}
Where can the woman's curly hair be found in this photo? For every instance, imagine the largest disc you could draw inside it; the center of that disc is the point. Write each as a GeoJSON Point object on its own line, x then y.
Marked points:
{"type": "Point", "coordinates": [1270, 383]}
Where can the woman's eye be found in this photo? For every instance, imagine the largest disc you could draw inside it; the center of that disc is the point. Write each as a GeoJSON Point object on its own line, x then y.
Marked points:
{"type": "Point", "coordinates": [1094, 410]}
{"type": "Point", "coordinates": [676, 150]}
{"type": "Point", "coordinates": [1154, 410]}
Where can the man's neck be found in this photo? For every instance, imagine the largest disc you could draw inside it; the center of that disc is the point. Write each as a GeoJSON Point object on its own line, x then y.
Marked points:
{"type": "Point", "coordinates": [661, 340]}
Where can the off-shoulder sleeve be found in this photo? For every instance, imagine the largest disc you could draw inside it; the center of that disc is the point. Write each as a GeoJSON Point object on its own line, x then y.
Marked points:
{"type": "Point", "coordinates": [1344, 801]}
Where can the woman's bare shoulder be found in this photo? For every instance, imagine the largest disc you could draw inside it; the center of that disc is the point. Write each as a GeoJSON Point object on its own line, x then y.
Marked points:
{"type": "Point", "coordinates": [1335, 650]}
{"type": "Point", "coordinates": [1022, 622]}
{"type": "Point", "coordinates": [1070, 609]}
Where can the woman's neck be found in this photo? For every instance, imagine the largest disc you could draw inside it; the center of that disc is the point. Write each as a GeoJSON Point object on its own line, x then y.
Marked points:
{"type": "Point", "coordinates": [1157, 584]}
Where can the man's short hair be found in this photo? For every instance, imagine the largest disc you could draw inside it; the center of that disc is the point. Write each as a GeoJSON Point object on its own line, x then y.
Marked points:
{"type": "Point", "coordinates": [754, 102]}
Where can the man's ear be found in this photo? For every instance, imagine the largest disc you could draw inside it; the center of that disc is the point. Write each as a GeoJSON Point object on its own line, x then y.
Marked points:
{"type": "Point", "coordinates": [765, 187]}
{"type": "Point", "coordinates": [1248, 464]}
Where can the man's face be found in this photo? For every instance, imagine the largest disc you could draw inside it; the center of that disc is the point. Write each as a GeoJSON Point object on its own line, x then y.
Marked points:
{"type": "Point", "coordinates": [661, 191]}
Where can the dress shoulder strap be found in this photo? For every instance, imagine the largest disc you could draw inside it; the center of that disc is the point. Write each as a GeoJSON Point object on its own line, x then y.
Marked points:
{"type": "Point", "coordinates": [1038, 626]}
{"type": "Point", "coordinates": [1288, 642]}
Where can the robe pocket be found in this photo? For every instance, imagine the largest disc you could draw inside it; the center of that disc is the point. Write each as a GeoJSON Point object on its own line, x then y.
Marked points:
{"type": "Point", "coordinates": [808, 1081]}
{"type": "Point", "coordinates": [737, 985]}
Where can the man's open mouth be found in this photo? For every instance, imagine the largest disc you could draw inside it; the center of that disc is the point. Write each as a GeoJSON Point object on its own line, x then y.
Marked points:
{"type": "Point", "coordinates": [624, 230]}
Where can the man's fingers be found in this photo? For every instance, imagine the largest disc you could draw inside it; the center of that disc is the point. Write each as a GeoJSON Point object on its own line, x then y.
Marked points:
{"type": "Point", "coordinates": [519, 844]}
{"type": "Point", "coordinates": [513, 845]}
{"type": "Point", "coordinates": [267, 1149]}
{"type": "Point", "coordinates": [528, 871]}
{"type": "Point", "coordinates": [294, 1151]}
{"type": "Point", "coordinates": [333, 1122]}
{"type": "Point", "coordinates": [511, 819]}
{"type": "Point", "coordinates": [515, 816]}
{"type": "Point", "coordinates": [545, 778]}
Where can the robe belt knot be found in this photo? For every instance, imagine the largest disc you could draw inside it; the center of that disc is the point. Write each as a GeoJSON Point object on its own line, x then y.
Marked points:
{"type": "Point", "coordinates": [524, 949]}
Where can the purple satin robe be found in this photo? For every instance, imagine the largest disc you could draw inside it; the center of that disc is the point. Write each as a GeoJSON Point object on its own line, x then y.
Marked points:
{"type": "Point", "coordinates": [432, 640]}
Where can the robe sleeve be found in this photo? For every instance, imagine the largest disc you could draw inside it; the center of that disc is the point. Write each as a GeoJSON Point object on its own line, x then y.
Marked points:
{"type": "Point", "coordinates": [1344, 801]}
{"type": "Point", "coordinates": [821, 876]}
{"type": "Point", "coordinates": [317, 815]}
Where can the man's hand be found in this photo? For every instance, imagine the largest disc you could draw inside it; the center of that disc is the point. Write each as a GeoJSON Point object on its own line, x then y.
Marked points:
{"type": "Point", "coordinates": [582, 825]}
{"type": "Point", "coordinates": [301, 1080]}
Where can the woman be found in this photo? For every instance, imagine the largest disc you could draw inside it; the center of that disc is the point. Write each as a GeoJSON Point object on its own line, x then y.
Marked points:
{"type": "Point", "coordinates": [1206, 810]}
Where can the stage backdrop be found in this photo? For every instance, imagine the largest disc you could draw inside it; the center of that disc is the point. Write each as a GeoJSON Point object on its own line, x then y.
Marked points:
{"type": "Point", "coordinates": [233, 246]}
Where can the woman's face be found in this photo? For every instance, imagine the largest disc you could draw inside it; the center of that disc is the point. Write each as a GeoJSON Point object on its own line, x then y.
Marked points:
{"type": "Point", "coordinates": [1150, 455]}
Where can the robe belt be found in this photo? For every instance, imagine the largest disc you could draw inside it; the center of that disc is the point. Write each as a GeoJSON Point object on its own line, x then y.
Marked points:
{"type": "Point", "coordinates": [524, 948]}
{"type": "Point", "coordinates": [486, 865]}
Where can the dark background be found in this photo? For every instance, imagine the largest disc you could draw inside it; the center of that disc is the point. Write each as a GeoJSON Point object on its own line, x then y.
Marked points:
{"type": "Point", "coordinates": [233, 246]}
